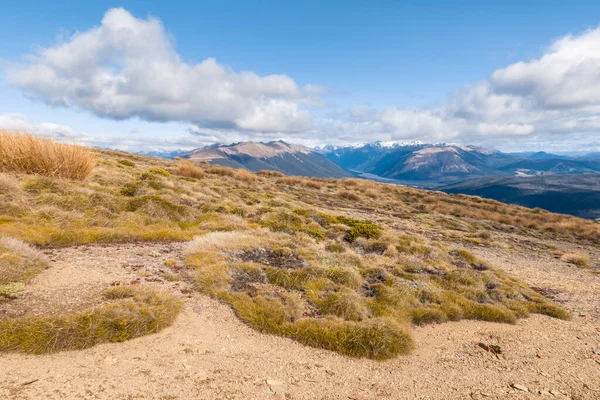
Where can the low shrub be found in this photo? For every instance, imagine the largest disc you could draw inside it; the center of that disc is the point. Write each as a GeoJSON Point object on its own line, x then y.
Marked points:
{"type": "Point", "coordinates": [365, 229]}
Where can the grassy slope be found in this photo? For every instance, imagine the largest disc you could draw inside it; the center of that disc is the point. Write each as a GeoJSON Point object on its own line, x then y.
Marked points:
{"type": "Point", "coordinates": [348, 265]}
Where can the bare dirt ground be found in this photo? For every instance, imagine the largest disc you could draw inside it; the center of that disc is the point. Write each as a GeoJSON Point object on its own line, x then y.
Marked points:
{"type": "Point", "coordinates": [209, 354]}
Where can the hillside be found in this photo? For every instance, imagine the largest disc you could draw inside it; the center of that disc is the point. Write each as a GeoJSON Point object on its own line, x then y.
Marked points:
{"type": "Point", "coordinates": [577, 195]}
{"type": "Point", "coordinates": [248, 284]}
{"type": "Point", "coordinates": [289, 159]}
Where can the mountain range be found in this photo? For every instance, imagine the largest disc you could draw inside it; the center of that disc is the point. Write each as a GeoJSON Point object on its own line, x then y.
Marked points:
{"type": "Point", "coordinates": [290, 159]}
{"type": "Point", "coordinates": [433, 165]}
{"type": "Point", "coordinates": [560, 183]}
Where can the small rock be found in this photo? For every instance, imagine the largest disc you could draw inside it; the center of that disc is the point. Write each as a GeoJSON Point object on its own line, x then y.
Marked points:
{"type": "Point", "coordinates": [110, 361]}
{"type": "Point", "coordinates": [519, 387]}
{"type": "Point", "coordinates": [555, 392]}
{"type": "Point", "coordinates": [276, 386]}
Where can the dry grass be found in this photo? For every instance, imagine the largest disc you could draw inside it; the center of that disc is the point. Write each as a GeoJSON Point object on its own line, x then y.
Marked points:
{"type": "Point", "coordinates": [579, 259]}
{"type": "Point", "coordinates": [132, 311]}
{"type": "Point", "coordinates": [221, 171]}
{"type": "Point", "coordinates": [344, 265]}
{"type": "Point", "coordinates": [19, 262]}
{"type": "Point", "coordinates": [189, 169]}
{"type": "Point", "coordinates": [28, 154]}
{"type": "Point", "coordinates": [270, 174]}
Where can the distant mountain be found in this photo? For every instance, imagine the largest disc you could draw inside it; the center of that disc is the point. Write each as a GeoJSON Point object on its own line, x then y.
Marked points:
{"type": "Point", "coordinates": [290, 159]}
{"type": "Point", "coordinates": [550, 166]}
{"type": "Point", "coordinates": [416, 161]}
{"type": "Point", "coordinates": [542, 155]}
{"type": "Point", "coordinates": [170, 154]}
{"type": "Point", "coordinates": [437, 164]}
{"type": "Point", "coordinates": [577, 195]}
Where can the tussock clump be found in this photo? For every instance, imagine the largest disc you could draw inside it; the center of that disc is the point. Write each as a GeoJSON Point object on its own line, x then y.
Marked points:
{"type": "Point", "coordinates": [19, 262]}
{"type": "Point", "coordinates": [289, 181]}
{"type": "Point", "coordinates": [190, 170]}
{"type": "Point", "coordinates": [221, 171]}
{"type": "Point", "coordinates": [270, 174]}
{"type": "Point", "coordinates": [346, 195]}
{"type": "Point", "coordinates": [245, 176]}
{"type": "Point", "coordinates": [579, 259]}
{"type": "Point", "coordinates": [126, 162]}
{"type": "Point", "coordinates": [31, 155]}
{"type": "Point", "coordinates": [13, 201]}
{"type": "Point", "coordinates": [222, 222]}
{"type": "Point", "coordinates": [133, 311]}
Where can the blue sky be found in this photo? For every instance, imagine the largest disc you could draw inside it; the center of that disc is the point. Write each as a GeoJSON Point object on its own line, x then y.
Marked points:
{"type": "Point", "coordinates": [345, 72]}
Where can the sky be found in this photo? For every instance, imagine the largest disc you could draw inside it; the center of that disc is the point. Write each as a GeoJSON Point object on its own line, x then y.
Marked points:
{"type": "Point", "coordinates": [145, 75]}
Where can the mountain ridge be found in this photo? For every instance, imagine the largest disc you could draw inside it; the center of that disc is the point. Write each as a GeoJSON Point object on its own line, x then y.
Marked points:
{"type": "Point", "coordinates": [290, 159]}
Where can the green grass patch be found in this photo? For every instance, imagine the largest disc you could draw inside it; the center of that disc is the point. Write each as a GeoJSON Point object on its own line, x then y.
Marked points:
{"type": "Point", "coordinates": [133, 311]}
{"type": "Point", "coordinates": [342, 301]}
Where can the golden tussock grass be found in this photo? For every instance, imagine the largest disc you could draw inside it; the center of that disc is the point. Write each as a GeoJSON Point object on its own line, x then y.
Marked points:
{"type": "Point", "coordinates": [132, 311]}
{"type": "Point", "coordinates": [578, 259]}
{"type": "Point", "coordinates": [19, 263]}
{"type": "Point", "coordinates": [270, 174]}
{"type": "Point", "coordinates": [21, 152]}
{"type": "Point", "coordinates": [189, 169]}
{"type": "Point", "coordinates": [221, 171]}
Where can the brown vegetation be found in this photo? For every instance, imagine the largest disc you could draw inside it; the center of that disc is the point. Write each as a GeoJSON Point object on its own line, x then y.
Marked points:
{"type": "Point", "coordinates": [189, 169]}
{"type": "Point", "coordinates": [348, 265]}
{"type": "Point", "coordinates": [29, 154]}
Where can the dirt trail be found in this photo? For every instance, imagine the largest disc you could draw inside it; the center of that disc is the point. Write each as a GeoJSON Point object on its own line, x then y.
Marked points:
{"type": "Point", "coordinates": [209, 354]}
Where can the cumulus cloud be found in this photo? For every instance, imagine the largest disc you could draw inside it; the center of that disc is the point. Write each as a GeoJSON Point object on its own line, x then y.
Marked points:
{"type": "Point", "coordinates": [128, 67]}
{"type": "Point", "coordinates": [566, 77]}
{"type": "Point", "coordinates": [20, 123]}
{"type": "Point", "coordinates": [134, 141]}
{"type": "Point", "coordinates": [557, 93]}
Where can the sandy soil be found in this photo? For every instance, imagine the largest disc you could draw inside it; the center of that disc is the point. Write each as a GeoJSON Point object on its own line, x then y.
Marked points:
{"type": "Point", "coordinates": [209, 354]}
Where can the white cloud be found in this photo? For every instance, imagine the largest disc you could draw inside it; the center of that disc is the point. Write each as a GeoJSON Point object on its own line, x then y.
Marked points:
{"type": "Point", "coordinates": [567, 76]}
{"type": "Point", "coordinates": [133, 141]}
{"type": "Point", "coordinates": [558, 93]}
{"type": "Point", "coordinates": [127, 67]}
{"type": "Point", "coordinates": [20, 123]}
